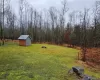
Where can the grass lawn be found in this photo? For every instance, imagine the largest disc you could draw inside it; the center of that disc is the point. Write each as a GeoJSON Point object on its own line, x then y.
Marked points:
{"type": "Point", "coordinates": [35, 63]}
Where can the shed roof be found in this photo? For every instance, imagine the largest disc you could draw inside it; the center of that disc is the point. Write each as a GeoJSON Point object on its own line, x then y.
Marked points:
{"type": "Point", "coordinates": [23, 37]}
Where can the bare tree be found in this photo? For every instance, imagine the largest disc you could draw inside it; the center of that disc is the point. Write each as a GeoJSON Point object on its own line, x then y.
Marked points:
{"type": "Point", "coordinates": [53, 17]}
{"type": "Point", "coordinates": [21, 8]}
{"type": "Point", "coordinates": [62, 19]}
{"type": "Point", "coordinates": [30, 23]}
{"type": "Point", "coordinates": [40, 27]}
{"type": "Point", "coordinates": [3, 23]}
{"type": "Point", "coordinates": [96, 22]}
{"type": "Point", "coordinates": [35, 25]}
{"type": "Point", "coordinates": [0, 21]}
{"type": "Point", "coordinates": [84, 39]}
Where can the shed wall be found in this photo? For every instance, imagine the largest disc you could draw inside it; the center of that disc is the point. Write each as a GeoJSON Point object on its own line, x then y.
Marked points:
{"type": "Point", "coordinates": [28, 41]}
{"type": "Point", "coordinates": [22, 42]}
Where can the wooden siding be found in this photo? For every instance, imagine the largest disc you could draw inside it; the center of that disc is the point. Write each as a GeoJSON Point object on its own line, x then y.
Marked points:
{"type": "Point", "coordinates": [22, 42]}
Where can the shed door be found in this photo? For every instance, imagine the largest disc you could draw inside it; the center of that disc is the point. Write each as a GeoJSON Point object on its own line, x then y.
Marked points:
{"type": "Point", "coordinates": [28, 41]}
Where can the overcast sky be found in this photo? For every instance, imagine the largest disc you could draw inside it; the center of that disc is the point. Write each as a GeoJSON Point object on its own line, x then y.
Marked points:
{"type": "Point", "coordinates": [41, 4]}
{"type": "Point", "coordinates": [73, 5]}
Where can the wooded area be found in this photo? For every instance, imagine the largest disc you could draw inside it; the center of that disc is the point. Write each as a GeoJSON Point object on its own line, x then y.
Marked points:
{"type": "Point", "coordinates": [82, 28]}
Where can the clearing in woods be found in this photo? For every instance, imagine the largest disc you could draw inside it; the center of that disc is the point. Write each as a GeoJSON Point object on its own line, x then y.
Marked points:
{"type": "Point", "coordinates": [36, 63]}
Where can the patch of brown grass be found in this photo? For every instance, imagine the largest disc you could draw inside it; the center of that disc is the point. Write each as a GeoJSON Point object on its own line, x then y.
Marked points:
{"type": "Point", "coordinates": [93, 57]}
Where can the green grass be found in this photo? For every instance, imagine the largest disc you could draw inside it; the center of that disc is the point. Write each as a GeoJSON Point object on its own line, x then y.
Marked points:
{"type": "Point", "coordinates": [35, 63]}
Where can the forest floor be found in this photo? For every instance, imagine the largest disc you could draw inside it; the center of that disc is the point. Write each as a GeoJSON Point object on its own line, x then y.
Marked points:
{"type": "Point", "coordinates": [35, 63]}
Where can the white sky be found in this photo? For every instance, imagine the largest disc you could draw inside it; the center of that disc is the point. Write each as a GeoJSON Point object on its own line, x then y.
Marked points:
{"type": "Point", "coordinates": [77, 5]}
{"type": "Point", "coordinates": [41, 4]}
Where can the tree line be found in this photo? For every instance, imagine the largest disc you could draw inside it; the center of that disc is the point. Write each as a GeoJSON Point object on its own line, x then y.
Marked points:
{"type": "Point", "coordinates": [82, 28]}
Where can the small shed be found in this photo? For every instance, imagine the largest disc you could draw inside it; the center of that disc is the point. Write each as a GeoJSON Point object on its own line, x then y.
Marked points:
{"type": "Point", "coordinates": [24, 40]}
